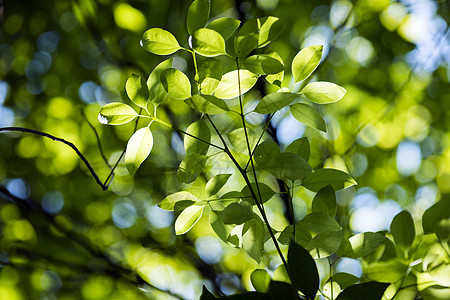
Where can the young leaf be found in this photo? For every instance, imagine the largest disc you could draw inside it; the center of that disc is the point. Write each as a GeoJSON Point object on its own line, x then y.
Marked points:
{"type": "Point", "coordinates": [157, 93]}
{"type": "Point", "coordinates": [274, 102]}
{"type": "Point", "coordinates": [302, 270]}
{"type": "Point", "coordinates": [137, 90]}
{"type": "Point", "coordinates": [159, 41]}
{"type": "Point", "coordinates": [238, 141]}
{"type": "Point", "coordinates": [237, 213]}
{"type": "Point", "coordinates": [402, 228]}
{"type": "Point", "coordinates": [229, 88]}
{"type": "Point", "coordinates": [435, 219]}
{"type": "Point", "coordinates": [325, 201]}
{"type": "Point", "coordinates": [198, 15]}
{"type": "Point", "coordinates": [269, 29]}
{"type": "Point", "coordinates": [225, 26]}
{"type": "Point", "coordinates": [361, 245]}
{"type": "Point", "coordinates": [253, 238]}
{"type": "Point", "coordinates": [323, 92]}
{"type": "Point", "coordinates": [216, 183]}
{"type": "Point", "coordinates": [260, 280]}
{"type": "Point", "coordinates": [367, 291]}
{"type": "Point", "coordinates": [191, 167]}
{"type": "Point", "coordinates": [187, 219]}
{"type": "Point", "coordinates": [200, 130]}
{"type": "Point", "coordinates": [207, 104]}
{"type": "Point", "coordinates": [176, 84]}
{"type": "Point", "coordinates": [168, 203]}
{"type": "Point", "coordinates": [305, 62]}
{"type": "Point", "coordinates": [325, 243]}
{"type": "Point", "coordinates": [209, 75]}
{"type": "Point", "coordinates": [276, 79]}
{"type": "Point", "coordinates": [319, 222]}
{"type": "Point", "coordinates": [387, 271]}
{"type": "Point", "coordinates": [266, 193]}
{"type": "Point", "coordinates": [263, 64]}
{"type": "Point", "coordinates": [323, 177]}
{"type": "Point", "coordinates": [116, 113]}
{"type": "Point", "coordinates": [309, 116]}
{"type": "Point", "coordinates": [300, 147]}
{"type": "Point", "coordinates": [208, 42]}
{"type": "Point", "coordinates": [138, 148]}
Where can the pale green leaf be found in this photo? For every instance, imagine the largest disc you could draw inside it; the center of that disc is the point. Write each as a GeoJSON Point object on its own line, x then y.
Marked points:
{"type": "Point", "coordinates": [323, 92]}
{"type": "Point", "coordinates": [168, 203]}
{"type": "Point", "coordinates": [387, 271]}
{"type": "Point", "coordinates": [138, 148]}
{"type": "Point", "coordinates": [239, 142]}
{"type": "Point", "coordinates": [157, 93]}
{"type": "Point", "coordinates": [116, 113]}
{"type": "Point", "coordinates": [269, 29]}
{"type": "Point", "coordinates": [319, 222]}
{"type": "Point", "coordinates": [187, 219]}
{"type": "Point", "coordinates": [260, 280]}
{"type": "Point", "coordinates": [441, 274]}
{"type": "Point", "coordinates": [225, 26]}
{"type": "Point", "coordinates": [325, 244]}
{"type": "Point", "coordinates": [306, 61]}
{"type": "Point", "coordinates": [229, 85]}
{"type": "Point", "coordinates": [263, 64]}
{"type": "Point", "coordinates": [208, 42]}
{"type": "Point", "coordinates": [200, 130]}
{"type": "Point", "coordinates": [198, 15]}
{"type": "Point", "coordinates": [247, 38]}
{"type": "Point", "coordinates": [237, 213]}
{"type": "Point", "coordinates": [209, 74]}
{"type": "Point", "coordinates": [191, 167]}
{"type": "Point", "coordinates": [325, 201]}
{"type": "Point", "coordinates": [361, 245]}
{"type": "Point", "coordinates": [309, 116]}
{"type": "Point", "coordinates": [274, 102]}
{"type": "Point", "coordinates": [403, 230]}
{"type": "Point", "coordinates": [207, 104]}
{"type": "Point", "coordinates": [323, 177]}
{"type": "Point", "coordinates": [300, 147]}
{"type": "Point", "coordinates": [265, 192]}
{"type": "Point", "coordinates": [176, 84]}
{"type": "Point", "coordinates": [159, 41]}
{"type": "Point", "coordinates": [216, 183]}
{"type": "Point", "coordinates": [222, 230]}
{"type": "Point", "coordinates": [137, 90]}
{"type": "Point", "coordinates": [253, 238]}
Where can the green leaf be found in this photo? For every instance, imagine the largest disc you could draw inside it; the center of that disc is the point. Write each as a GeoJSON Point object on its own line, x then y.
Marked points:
{"type": "Point", "coordinates": [323, 177]}
{"type": "Point", "coordinates": [176, 84]}
{"type": "Point", "coordinates": [187, 219]}
{"type": "Point", "coordinates": [138, 149]}
{"type": "Point", "coordinates": [276, 79]}
{"type": "Point", "coordinates": [367, 291]}
{"type": "Point", "coordinates": [323, 92]}
{"type": "Point", "coordinates": [436, 219]}
{"type": "Point", "coordinates": [361, 245]}
{"type": "Point", "coordinates": [238, 141]}
{"type": "Point", "coordinates": [302, 270]}
{"type": "Point", "coordinates": [168, 203]}
{"type": "Point", "coordinates": [253, 238]}
{"type": "Point", "coordinates": [345, 279]}
{"type": "Point", "coordinates": [116, 113]}
{"type": "Point", "coordinates": [263, 64]}
{"type": "Point", "coordinates": [207, 104]}
{"type": "Point", "coordinates": [325, 243]}
{"type": "Point", "coordinates": [274, 102]}
{"type": "Point", "coordinates": [300, 147]}
{"type": "Point", "coordinates": [200, 130]}
{"type": "Point", "coordinates": [387, 271]}
{"type": "Point", "coordinates": [229, 88]}
{"type": "Point", "coordinates": [260, 280]}
{"type": "Point", "coordinates": [403, 230]}
{"type": "Point", "coordinates": [266, 193]}
{"type": "Point", "coordinates": [209, 75]}
{"type": "Point", "coordinates": [216, 183]}
{"type": "Point", "coordinates": [247, 38]}
{"type": "Point", "coordinates": [157, 93]}
{"type": "Point", "coordinates": [281, 290]}
{"type": "Point", "coordinates": [237, 213]}
{"type": "Point", "coordinates": [325, 201]}
{"type": "Point", "coordinates": [319, 222]}
{"type": "Point", "coordinates": [219, 227]}
{"type": "Point", "coordinates": [269, 29]}
{"type": "Point", "coordinates": [441, 274]}
{"type": "Point", "coordinates": [159, 41]}
{"type": "Point", "coordinates": [309, 116]}
{"type": "Point", "coordinates": [191, 167]}
{"type": "Point", "coordinates": [208, 42]}
{"type": "Point", "coordinates": [137, 90]}
{"type": "Point", "coordinates": [225, 26]}
{"type": "Point", "coordinates": [305, 62]}
{"type": "Point", "coordinates": [198, 15]}
{"type": "Point", "coordinates": [302, 235]}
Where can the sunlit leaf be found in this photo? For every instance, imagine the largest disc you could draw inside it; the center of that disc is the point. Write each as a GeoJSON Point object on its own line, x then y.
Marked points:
{"type": "Point", "coordinates": [209, 74]}
{"type": "Point", "coordinates": [266, 193]}
{"type": "Point", "coordinates": [387, 271]}
{"type": "Point", "coordinates": [176, 84]}
{"type": "Point", "coordinates": [302, 270]}
{"type": "Point", "coordinates": [200, 130]}
{"type": "Point", "coordinates": [138, 148]}
{"type": "Point", "coordinates": [309, 116]}
{"type": "Point", "coordinates": [208, 42]}
{"type": "Point", "coordinates": [325, 243]}
{"type": "Point", "coordinates": [402, 228]}
{"type": "Point", "coordinates": [263, 64]}
{"type": "Point", "coordinates": [137, 90]}
{"type": "Point", "coordinates": [219, 227]}
{"type": "Point", "coordinates": [325, 201]}
{"type": "Point", "coordinates": [300, 147]}
{"type": "Point", "coordinates": [237, 213]}
{"type": "Point", "coordinates": [168, 203]}
{"type": "Point", "coordinates": [436, 219]}
{"type": "Point", "coordinates": [323, 92]}
{"type": "Point", "coordinates": [306, 61]}
{"type": "Point", "coordinates": [207, 104]}
{"type": "Point", "coordinates": [157, 93]}
{"type": "Point", "coordinates": [302, 235]}
{"type": "Point", "coordinates": [260, 280]}
{"type": "Point", "coordinates": [116, 113]}
{"type": "Point", "coordinates": [187, 219]}
{"type": "Point", "coordinates": [361, 245]}
{"type": "Point", "coordinates": [216, 183]}
{"type": "Point", "coordinates": [239, 142]}
{"type": "Point", "coordinates": [367, 291]}
{"type": "Point", "coordinates": [274, 102]}
{"type": "Point", "coordinates": [276, 79]}
{"type": "Point", "coordinates": [159, 41]}
{"type": "Point", "coordinates": [247, 38]}
{"type": "Point", "coordinates": [253, 238]}
{"type": "Point", "coordinates": [198, 15]}
{"type": "Point", "coordinates": [441, 274]}
{"type": "Point", "coordinates": [191, 167]}
{"type": "Point", "coordinates": [319, 222]}
{"type": "Point", "coordinates": [323, 177]}
{"type": "Point", "coordinates": [225, 26]}
{"type": "Point", "coordinates": [229, 85]}
{"type": "Point", "coordinates": [269, 29]}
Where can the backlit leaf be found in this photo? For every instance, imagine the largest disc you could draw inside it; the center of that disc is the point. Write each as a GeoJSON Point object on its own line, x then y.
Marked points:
{"type": "Point", "coordinates": [191, 167]}
{"type": "Point", "coordinates": [263, 64]}
{"type": "Point", "coordinates": [436, 219]}
{"type": "Point", "coordinates": [219, 227]}
{"type": "Point", "coordinates": [323, 92]}
{"type": "Point", "coordinates": [325, 201]}
{"type": "Point", "coordinates": [187, 219]}
{"type": "Point", "coordinates": [325, 243]}
{"type": "Point", "coordinates": [302, 235]}
{"type": "Point", "coordinates": [403, 230]}
{"type": "Point", "coordinates": [319, 222]}
{"type": "Point", "coordinates": [207, 104]}
{"type": "Point", "coordinates": [168, 203]}
{"type": "Point", "coordinates": [225, 26]}
{"type": "Point", "coordinates": [274, 102]}
{"type": "Point", "coordinates": [137, 90]}
{"type": "Point", "coordinates": [309, 116]}
{"type": "Point", "coordinates": [323, 177]}
{"type": "Point", "coordinates": [260, 280]}
{"type": "Point", "coordinates": [209, 74]}
{"type": "Point", "coordinates": [266, 193]}
{"type": "Point", "coordinates": [269, 29]}
{"type": "Point", "coordinates": [237, 213]}
{"type": "Point", "coordinates": [157, 93]}
{"type": "Point", "coordinates": [253, 238]}
{"type": "Point", "coordinates": [116, 113]}
{"type": "Point", "coordinates": [302, 270]}
{"type": "Point", "coordinates": [306, 61]}
{"type": "Point", "coordinates": [216, 183]}
{"type": "Point", "coordinates": [138, 148]}
{"type": "Point", "coordinates": [176, 84]}
{"type": "Point", "coordinates": [208, 42]}
{"type": "Point", "coordinates": [198, 15]}
{"type": "Point", "coordinates": [300, 147]}
{"type": "Point", "coordinates": [361, 245]}
{"type": "Point", "coordinates": [238, 141]}
{"type": "Point", "coordinates": [159, 41]}
{"type": "Point", "coordinates": [200, 130]}
{"type": "Point", "coordinates": [247, 38]}
{"type": "Point", "coordinates": [229, 88]}
{"type": "Point", "coordinates": [276, 79]}
{"type": "Point", "coordinates": [387, 271]}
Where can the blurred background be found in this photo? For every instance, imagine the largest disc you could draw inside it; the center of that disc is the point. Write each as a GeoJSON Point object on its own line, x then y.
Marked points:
{"type": "Point", "coordinates": [60, 61]}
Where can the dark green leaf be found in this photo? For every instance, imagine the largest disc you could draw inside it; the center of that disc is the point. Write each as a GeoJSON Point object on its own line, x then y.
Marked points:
{"type": "Point", "coordinates": [345, 279]}
{"type": "Point", "coordinates": [325, 243]}
{"type": "Point", "coordinates": [225, 26]}
{"type": "Point", "coordinates": [402, 228]}
{"type": "Point", "coordinates": [176, 84]}
{"type": "Point", "coordinates": [319, 222]}
{"type": "Point", "coordinates": [237, 213]}
{"type": "Point", "coordinates": [191, 167]}
{"type": "Point", "coordinates": [159, 41]}
{"type": "Point", "coordinates": [281, 290]}
{"type": "Point", "coordinates": [367, 291]}
{"type": "Point", "coordinates": [207, 104]}
{"type": "Point", "coordinates": [266, 193]}
{"type": "Point", "coordinates": [302, 270]}
{"type": "Point", "coordinates": [137, 90]}
{"type": "Point", "coordinates": [139, 147]}
{"type": "Point", "coordinates": [276, 79]}
{"type": "Point", "coordinates": [436, 219]}
{"type": "Point", "coordinates": [305, 62]}
{"type": "Point", "coordinates": [209, 74]}
{"type": "Point", "coordinates": [309, 116]}
{"type": "Point", "coordinates": [247, 38]}
{"type": "Point", "coordinates": [274, 102]}
{"type": "Point", "coordinates": [263, 64]}
{"type": "Point", "coordinates": [323, 92]}
{"type": "Point", "coordinates": [302, 235]}
{"type": "Point", "coordinates": [325, 201]}
{"type": "Point", "coordinates": [300, 147]}
{"type": "Point", "coordinates": [200, 130]}
{"type": "Point", "coordinates": [216, 183]}
{"type": "Point", "coordinates": [222, 230]}
{"type": "Point", "coordinates": [206, 295]}
{"type": "Point", "coordinates": [116, 113]}
{"type": "Point", "coordinates": [323, 177]}
{"type": "Point", "coordinates": [260, 280]}
{"type": "Point", "coordinates": [198, 15]}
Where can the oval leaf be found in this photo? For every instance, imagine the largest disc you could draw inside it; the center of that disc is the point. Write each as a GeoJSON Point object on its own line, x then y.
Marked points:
{"type": "Point", "coordinates": [176, 84]}
{"type": "Point", "coordinates": [229, 88]}
{"type": "Point", "coordinates": [266, 193]}
{"type": "Point", "coordinates": [187, 219]}
{"type": "Point", "coordinates": [138, 148]}
{"type": "Point", "coordinates": [225, 26]}
{"type": "Point", "coordinates": [253, 238]}
{"type": "Point", "coordinates": [319, 222]}
{"type": "Point", "coordinates": [192, 145]}
{"type": "Point", "coordinates": [191, 167]}
{"type": "Point", "coordinates": [209, 75]}
{"type": "Point", "coordinates": [276, 79]}
{"type": "Point", "coordinates": [198, 15]}
{"type": "Point", "coordinates": [137, 90]}
{"type": "Point", "coordinates": [269, 29]}
{"type": "Point", "coordinates": [323, 177]}
{"type": "Point", "coordinates": [168, 203]}
{"type": "Point", "coordinates": [208, 42]}
{"type": "Point", "coordinates": [207, 104]}
{"type": "Point", "coordinates": [309, 116]}
{"type": "Point", "coordinates": [323, 92]}
{"type": "Point", "coordinates": [367, 291]}
{"type": "Point", "coordinates": [237, 213]}
{"type": "Point", "coordinates": [263, 64]}
{"type": "Point", "coordinates": [435, 219]}
{"type": "Point", "coordinates": [306, 61]}
{"type": "Point", "coordinates": [403, 230]}
{"type": "Point", "coordinates": [260, 280]}
{"type": "Point", "coordinates": [274, 102]}
{"type": "Point", "coordinates": [159, 41]}
{"type": "Point", "coordinates": [325, 201]}
{"type": "Point", "coordinates": [300, 147]}
{"type": "Point", "coordinates": [325, 243]}
{"type": "Point", "coordinates": [156, 90]}
{"type": "Point", "coordinates": [116, 113]}
{"type": "Point", "coordinates": [216, 183]}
